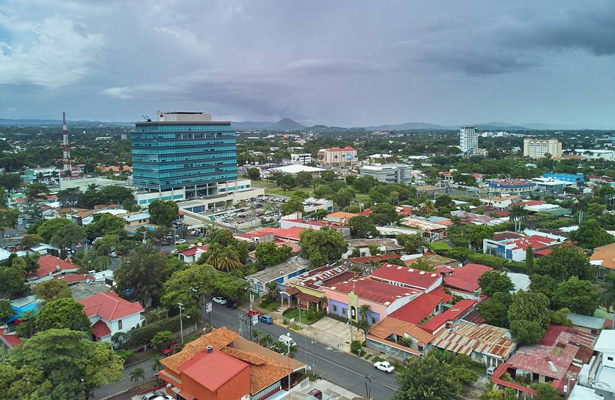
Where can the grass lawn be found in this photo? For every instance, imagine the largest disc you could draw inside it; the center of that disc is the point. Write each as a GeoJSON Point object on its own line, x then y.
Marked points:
{"type": "Point", "coordinates": [273, 306]}
{"type": "Point", "coordinates": [294, 313]}
{"type": "Point", "coordinates": [377, 359]}
{"type": "Point", "coordinates": [368, 356]}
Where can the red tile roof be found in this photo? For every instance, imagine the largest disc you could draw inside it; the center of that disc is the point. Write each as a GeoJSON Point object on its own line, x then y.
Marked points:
{"type": "Point", "coordinates": [347, 148]}
{"type": "Point", "coordinates": [190, 252]}
{"type": "Point", "coordinates": [466, 277]}
{"type": "Point", "coordinates": [381, 257]}
{"type": "Point", "coordinates": [452, 314]}
{"type": "Point", "coordinates": [550, 361]}
{"type": "Point", "coordinates": [50, 264]}
{"type": "Point", "coordinates": [11, 338]}
{"type": "Point", "coordinates": [374, 290]}
{"type": "Point", "coordinates": [109, 306]}
{"type": "Point", "coordinates": [100, 329]}
{"type": "Point", "coordinates": [418, 309]}
{"type": "Point", "coordinates": [405, 276]}
{"type": "Point", "coordinates": [291, 233]}
{"type": "Point", "coordinates": [212, 370]}
{"type": "Point", "coordinates": [536, 241]}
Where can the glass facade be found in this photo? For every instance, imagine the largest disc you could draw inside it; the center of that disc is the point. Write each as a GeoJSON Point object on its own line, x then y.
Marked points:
{"type": "Point", "coordinates": [173, 155]}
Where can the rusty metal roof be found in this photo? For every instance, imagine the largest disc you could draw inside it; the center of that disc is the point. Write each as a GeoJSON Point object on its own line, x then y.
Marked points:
{"type": "Point", "coordinates": [466, 338]}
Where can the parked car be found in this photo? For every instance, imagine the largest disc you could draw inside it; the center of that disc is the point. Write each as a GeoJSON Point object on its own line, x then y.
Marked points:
{"type": "Point", "coordinates": [266, 319]}
{"type": "Point", "coordinates": [287, 340]}
{"type": "Point", "coordinates": [169, 349]}
{"type": "Point", "coordinates": [384, 366]}
{"type": "Point", "coordinates": [181, 241]}
{"type": "Point", "coordinates": [231, 304]}
{"type": "Point", "coordinates": [219, 300]}
{"type": "Point", "coordinates": [152, 396]}
{"type": "Point", "coordinates": [113, 254]}
{"type": "Point", "coordinates": [253, 312]}
{"type": "Point", "coordinates": [316, 393]}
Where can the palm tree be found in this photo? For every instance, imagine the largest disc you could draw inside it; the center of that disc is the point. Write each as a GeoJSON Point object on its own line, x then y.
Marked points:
{"type": "Point", "coordinates": [228, 259]}
{"type": "Point", "coordinates": [136, 374]}
{"type": "Point", "coordinates": [428, 207]}
{"type": "Point", "coordinates": [518, 215]}
{"type": "Point", "coordinates": [266, 341]}
{"type": "Point", "coordinates": [580, 206]}
{"type": "Point", "coordinates": [608, 296]}
{"type": "Point", "coordinates": [156, 364]}
{"type": "Point", "coordinates": [364, 313]}
{"type": "Point", "coordinates": [292, 351]}
{"type": "Point", "coordinates": [255, 335]}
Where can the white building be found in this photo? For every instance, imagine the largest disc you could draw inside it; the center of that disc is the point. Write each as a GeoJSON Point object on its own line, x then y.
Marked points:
{"type": "Point", "coordinates": [599, 374]}
{"type": "Point", "coordinates": [538, 148]}
{"type": "Point", "coordinates": [110, 314]}
{"type": "Point", "coordinates": [608, 155]}
{"type": "Point", "coordinates": [301, 159]}
{"type": "Point", "coordinates": [468, 139]}
{"type": "Point", "coordinates": [295, 169]}
{"type": "Point", "coordinates": [344, 155]}
{"type": "Point", "coordinates": [389, 173]}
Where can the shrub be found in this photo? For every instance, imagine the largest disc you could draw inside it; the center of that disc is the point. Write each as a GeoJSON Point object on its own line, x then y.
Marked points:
{"type": "Point", "coordinates": [355, 346]}
{"type": "Point", "coordinates": [439, 247]}
{"type": "Point", "coordinates": [142, 336]}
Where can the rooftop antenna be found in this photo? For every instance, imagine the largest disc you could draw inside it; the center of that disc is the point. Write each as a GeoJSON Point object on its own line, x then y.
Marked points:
{"type": "Point", "coordinates": [65, 148]}
{"type": "Point", "coordinates": [148, 119]}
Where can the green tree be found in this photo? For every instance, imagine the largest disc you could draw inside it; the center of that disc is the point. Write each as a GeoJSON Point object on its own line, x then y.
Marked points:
{"type": "Point", "coordinates": [460, 253]}
{"type": "Point", "coordinates": [31, 241]}
{"type": "Point", "coordinates": [492, 282]}
{"type": "Point", "coordinates": [365, 312]}
{"type": "Point", "coordinates": [142, 276]}
{"type": "Point", "coordinates": [27, 327]}
{"type": "Point", "coordinates": [10, 181]}
{"type": "Point", "coordinates": [518, 215]}
{"type": "Point", "coordinates": [137, 374]}
{"type": "Point", "coordinates": [223, 258]}
{"type": "Point", "coordinates": [565, 261]}
{"type": "Point", "coordinates": [68, 236]}
{"type": "Point", "coordinates": [36, 191]}
{"type": "Point", "coordinates": [428, 207]}
{"type": "Point", "coordinates": [254, 174]}
{"type": "Point", "coordinates": [188, 285]}
{"type": "Point", "coordinates": [322, 246]}
{"type": "Point", "coordinates": [304, 178]}
{"type": "Point", "coordinates": [61, 364]}
{"type": "Point", "coordinates": [383, 214]}
{"type": "Point", "coordinates": [543, 284]}
{"type": "Point", "coordinates": [344, 197]}
{"type": "Point", "coordinates": [8, 219]}
{"type": "Point", "coordinates": [163, 212]}
{"type": "Point", "coordinates": [412, 244]}
{"type": "Point", "coordinates": [161, 339]}
{"type": "Point", "coordinates": [294, 204]}
{"type": "Point", "coordinates": [65, 313]}
{"type": "Point", "coordinates": [444, 201]}
{"type": "Point", "coordinates": [477, 233]}
{"type": "Point", "coordinates": [269, 254]}
{"type": "Point", "coordinates": [582, 297]}
{"type": "Point", "coordinates": [52, 290]}
{"type": "Point", "coordinates": [427, 378]}
{"type": "Point", "coordinates": [528, 316]}
{"type": "Point", "coordinates": [50, 227]}
{"type": "Point", "coordinates": [362, 227]}
{"type": "Point", "coordinates": [229, 286]}
{"type": "Point", "coordinates": [363, 184]}
{"type": "Point", "coordinates": [591, 235]}
{"type": "Point", "coordinates": [105, 224]}
{"type": "Point", "coordinates": [544, 391]}
{"type": "Point", "coordinates": [6, 310]}
{"type": "Point", "coordinates": [495, 309]}
{"type": "Point", "coordinates": [529, 259]}
{"type": "Point", "coordinates": [12, 282]}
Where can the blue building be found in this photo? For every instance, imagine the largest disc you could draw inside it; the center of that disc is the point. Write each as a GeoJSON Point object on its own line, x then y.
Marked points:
{"type": "Point", "coordinates": [572, 178]}
{"type": "Point", "coordinates": [183, 150]}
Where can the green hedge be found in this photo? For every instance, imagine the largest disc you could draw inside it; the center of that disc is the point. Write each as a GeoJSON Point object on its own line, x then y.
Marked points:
{"type": "Point", "coordinates": [439, 247]}
{"type": "Point", "coordinates": [143, 335]}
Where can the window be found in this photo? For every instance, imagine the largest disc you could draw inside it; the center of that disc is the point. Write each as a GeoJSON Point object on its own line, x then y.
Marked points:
{"type": "Point", "coordinates": [344, 312]}
{"type": "Point", "coordinates": [119, 324]}
{"type": "Point", "coordinates": [610, 358]}
{"type": "Point", "coordinates": [373, 320]}
{"type": "Point", "coordinates": [334, 308]}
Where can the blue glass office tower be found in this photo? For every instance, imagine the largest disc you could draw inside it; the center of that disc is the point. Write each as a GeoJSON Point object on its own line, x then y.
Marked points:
{"type": "Point", "coordinates": [183, 150]}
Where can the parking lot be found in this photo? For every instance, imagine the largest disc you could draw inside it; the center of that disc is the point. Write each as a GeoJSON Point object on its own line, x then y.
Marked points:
{"type": "Point", "coordinates": [248, 214]}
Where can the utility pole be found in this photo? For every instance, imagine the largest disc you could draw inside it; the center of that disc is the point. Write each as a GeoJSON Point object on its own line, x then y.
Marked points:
{"type": "Point", "coordinates": [313, 357]}
{"type": "Point", "coordinates": [368, 385]}
{"type": "Point", "coordinates": [181, 324]}
{"type": "Point", "coordinates": [288, 355]}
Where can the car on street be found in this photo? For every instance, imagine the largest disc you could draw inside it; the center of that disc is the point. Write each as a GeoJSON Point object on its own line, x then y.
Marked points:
{"type": "Point", "coordinates": [152, 396]}
{"type": "Point", "coordinates": [167, 351]}
{"type": "Point", "coordinates": [253, 312]}
{"type": "Point", "coordinates": [287, 340]}
{"type": "Point", "coordinates": [219, 300]}
{"type": "Point", "coordinates": [316, 393]}
{"type": "Point", "coordinates": [113, 254]}
{"type": "Point", "coordinates": [231, 304]}
{"type": "Point", "coordinates": [266, 319]}
{"type": "Point", "coordinates": [384, 366]}
{"type": "Point", "coordinates": [181, 241]}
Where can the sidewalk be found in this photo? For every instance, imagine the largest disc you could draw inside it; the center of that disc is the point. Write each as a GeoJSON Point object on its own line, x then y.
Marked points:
{"type": "Point", "coordinates": [328, 389]}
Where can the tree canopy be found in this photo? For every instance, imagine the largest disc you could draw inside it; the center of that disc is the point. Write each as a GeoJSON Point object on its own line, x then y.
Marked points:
{"type": "Point", "coordinates": [163, 212]}
{"type": "Point", "coordinates": [582, 297]}
{"type": "Point", "coordinates": [427, 378]}
{"type": "Point", "coordinates": [565, 261]}
{"type": "Point", "coordinates": [492, 282]}
{"type": "Point", "coordinates": [528, 316]}
{"type": "Point", "coordinates": [362, 227]}
{"type": "Point", "coordinates": [62, 313]}
{"type": "Point", "coordinates": [322, 246]}
{"type": "Point", "coordinates": [52, 290]}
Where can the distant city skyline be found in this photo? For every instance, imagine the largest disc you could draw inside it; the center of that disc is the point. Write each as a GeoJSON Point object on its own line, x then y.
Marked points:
{"type": "Point", "coordinates": [343, 63]}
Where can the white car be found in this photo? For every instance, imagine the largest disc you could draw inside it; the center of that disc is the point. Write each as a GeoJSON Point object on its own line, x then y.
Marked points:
{"type": "Point", "coordinates": [181, 241]}
{"type": "Point", "coordinates": [287, 340]}
{"type": "Point", "coordinates": [384, 366]}
{"type": "Point", "coordinates": [219, 300]}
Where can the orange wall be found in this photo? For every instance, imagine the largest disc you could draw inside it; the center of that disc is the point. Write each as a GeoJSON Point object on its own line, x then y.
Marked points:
{"type": "Point", "coordinates": [236, 388]}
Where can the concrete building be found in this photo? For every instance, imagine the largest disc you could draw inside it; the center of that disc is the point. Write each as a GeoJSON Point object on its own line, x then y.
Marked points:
{"type": "Point", "coordinates": [110, 314]}
{"type": "Point", "coordinates": [184, 150]}
{"type": "Point", "coordinates": [539, 148]}
{"type": "Point", "coordinates": [388, 173]}
{"type": "Point", "coordinates": [599, 374]}
{"type": "Point", "coordinates": [499, 187]}
{"type": "Point", "coordinates": [301, 159]}
{"type": "Point", "coordinates": [336, 156]}
{"type": "Point", "coordinates": [468, 139]}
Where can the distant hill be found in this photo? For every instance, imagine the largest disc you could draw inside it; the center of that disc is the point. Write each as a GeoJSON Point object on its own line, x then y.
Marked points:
{"type": "Point", "coordinates": [285, 124]}
{"type": "Point", "coordinates": [248, 125]}
{"type": "Point", "coordinates": [500, 126]}
{"type": "Point", "coordinates": [406, 126]}
{"type": "Point", "coordinates": [52, 122]}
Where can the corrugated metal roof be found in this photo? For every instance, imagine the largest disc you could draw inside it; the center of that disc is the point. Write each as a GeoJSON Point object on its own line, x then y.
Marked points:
{"type": "Point", "coordinates": [466, 338]}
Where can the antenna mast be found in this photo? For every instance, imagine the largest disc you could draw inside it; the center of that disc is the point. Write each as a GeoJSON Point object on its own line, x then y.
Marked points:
{"type": "Point", "coordinates": [67, 171]}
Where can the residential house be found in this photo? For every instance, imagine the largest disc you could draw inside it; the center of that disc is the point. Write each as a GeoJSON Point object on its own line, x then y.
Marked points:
{"type": "Point", "coordinates": [486, 344]}
{"type": "Point", "coordinates": [422, 308]}
{"type": "Point", "coordinates": [110, 314]}
{"type": "Point", "coordinates": [346, 298]}
{"type": "Point", "coordinates": [603, 258]}
{"type": "Point", "coordinates": [222, 365]}
{"type": "Point", "coordinates": [316, 225]}
{"type": "Point", "coordinates": [363, 245]}
{"type": "Point", "coordinates": [137, 218]}
{"type": "Point", "coordinates": [407, 277]}
{"type": "Point", "coordinates": [339, 218]}
{"type": "Point", "coordinates": [586, 323]}
{"type": "Point", "coordinates": [515, 249]}
{"type": "Point", "coordinates": [500, 202]}
{"type": "Point", "coordinates": [279, 274]}
{"type": "Point", "coordinates": [599, 374]}
{"type": "Point", "coordinates": [305, 290]}
{"type": "Point", "coordinates": [192, 253]}
{"type": "Point", "coordinates": [50, 267]}
{"type": "Point", "coordinates": [398, 339]}
{"type": "Point", "coordinates": [431, 231]}
{"type": "Point", "coordinates": [463, 281]}
{"type": "Point", "coordinates": [445, 319]}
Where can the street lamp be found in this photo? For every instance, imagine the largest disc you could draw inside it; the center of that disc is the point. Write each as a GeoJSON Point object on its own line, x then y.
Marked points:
{"type": "Point", "coordinates": [181, 325]}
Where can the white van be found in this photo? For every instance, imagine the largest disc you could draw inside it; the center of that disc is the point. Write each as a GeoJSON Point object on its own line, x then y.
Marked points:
{"type": "Point", "coordinates": [287, 340]}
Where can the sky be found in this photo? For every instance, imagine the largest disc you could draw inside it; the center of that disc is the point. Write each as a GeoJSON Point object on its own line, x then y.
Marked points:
{"type": "Point", "coordinates": [342, 63]}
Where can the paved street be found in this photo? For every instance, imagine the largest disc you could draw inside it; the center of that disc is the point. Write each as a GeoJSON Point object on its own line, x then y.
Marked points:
{"type": "Point", "coordinates": [125, 383]}
{"type": "Point", "coordinates": [340, 368]}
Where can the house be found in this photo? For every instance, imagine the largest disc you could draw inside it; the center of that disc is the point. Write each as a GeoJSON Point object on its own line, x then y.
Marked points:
{"type": "Point", "coordinates": [398, 339]}
{"type": "Point", "coordinates": [305, 290]}
{"type": "Point", "coordinates": [346, 298]}
{"type": "Point", "coordinates": [604, 259]}
{"type": "Point", "coordinates": [501, 187]}
{"type": "Point", "coordinates": [486, 344]}
{"type": "Point", "coordinates": [407, 277]}
{"type": "Point", "coordinates": [316, 225]}
{"type": "Point", "coordinates": [500, 202]}
{"type": "Point", "coordinates": [557, 360]}
{"type": "Point", "coordinates": [431, 231]}
{"type": "Point", "coordinates": [292, 233]}
{"type": "Point", "coordinates": [363, 245]}
{"type": "Point", "coordinates": [279, 274]}
{"type": "Point", "coordinates": [598, 375]}
{"type": "Point", "coordinates": [586, 323]}
{"type": "Point", "coordinates": [443, 320]}
{"type": "Point", "coordinates": [135, 219]}
{"type": "Point", "coordinates": [193, 253]}
{"type": "Point", "coordinates": [463, 281]}
{"type": "Point", "coordinates": [222, 365]}
{"type": "Point", "coordinates": [339, 218]}
{"type": "Point", "coordinates": [110, 314]}
{"type": "Point", "coordinates": [50, 267]}
{"type": "Point", "coordinates": [8, 340]}
{"type": "Point", "coordinates": [515, 249]}
{"type": "Point", "coordinates": [256, 236]}
{"type": "Point", "coordinates": [467, 218]}
{"type": "Point", "coordinates": [423, 307]}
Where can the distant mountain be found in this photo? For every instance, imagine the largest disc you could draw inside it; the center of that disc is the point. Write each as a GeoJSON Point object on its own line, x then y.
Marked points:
{"type": "Point", "coordinates": [44, 122]}
{"type": "Point", "coordinates": [500, 126]}
{"type": "Point", "coordinates": [285, 124]}
{"type": "Point", "coordinates": [248, 125]}
{"type": "Point", "coordinates": [407, 126]}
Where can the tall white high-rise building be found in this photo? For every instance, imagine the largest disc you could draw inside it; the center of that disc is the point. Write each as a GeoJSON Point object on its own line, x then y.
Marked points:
{"type": "Point", "coordinates": [468, 139]}
{"type": "Point", "coordinates": [537, 148]}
